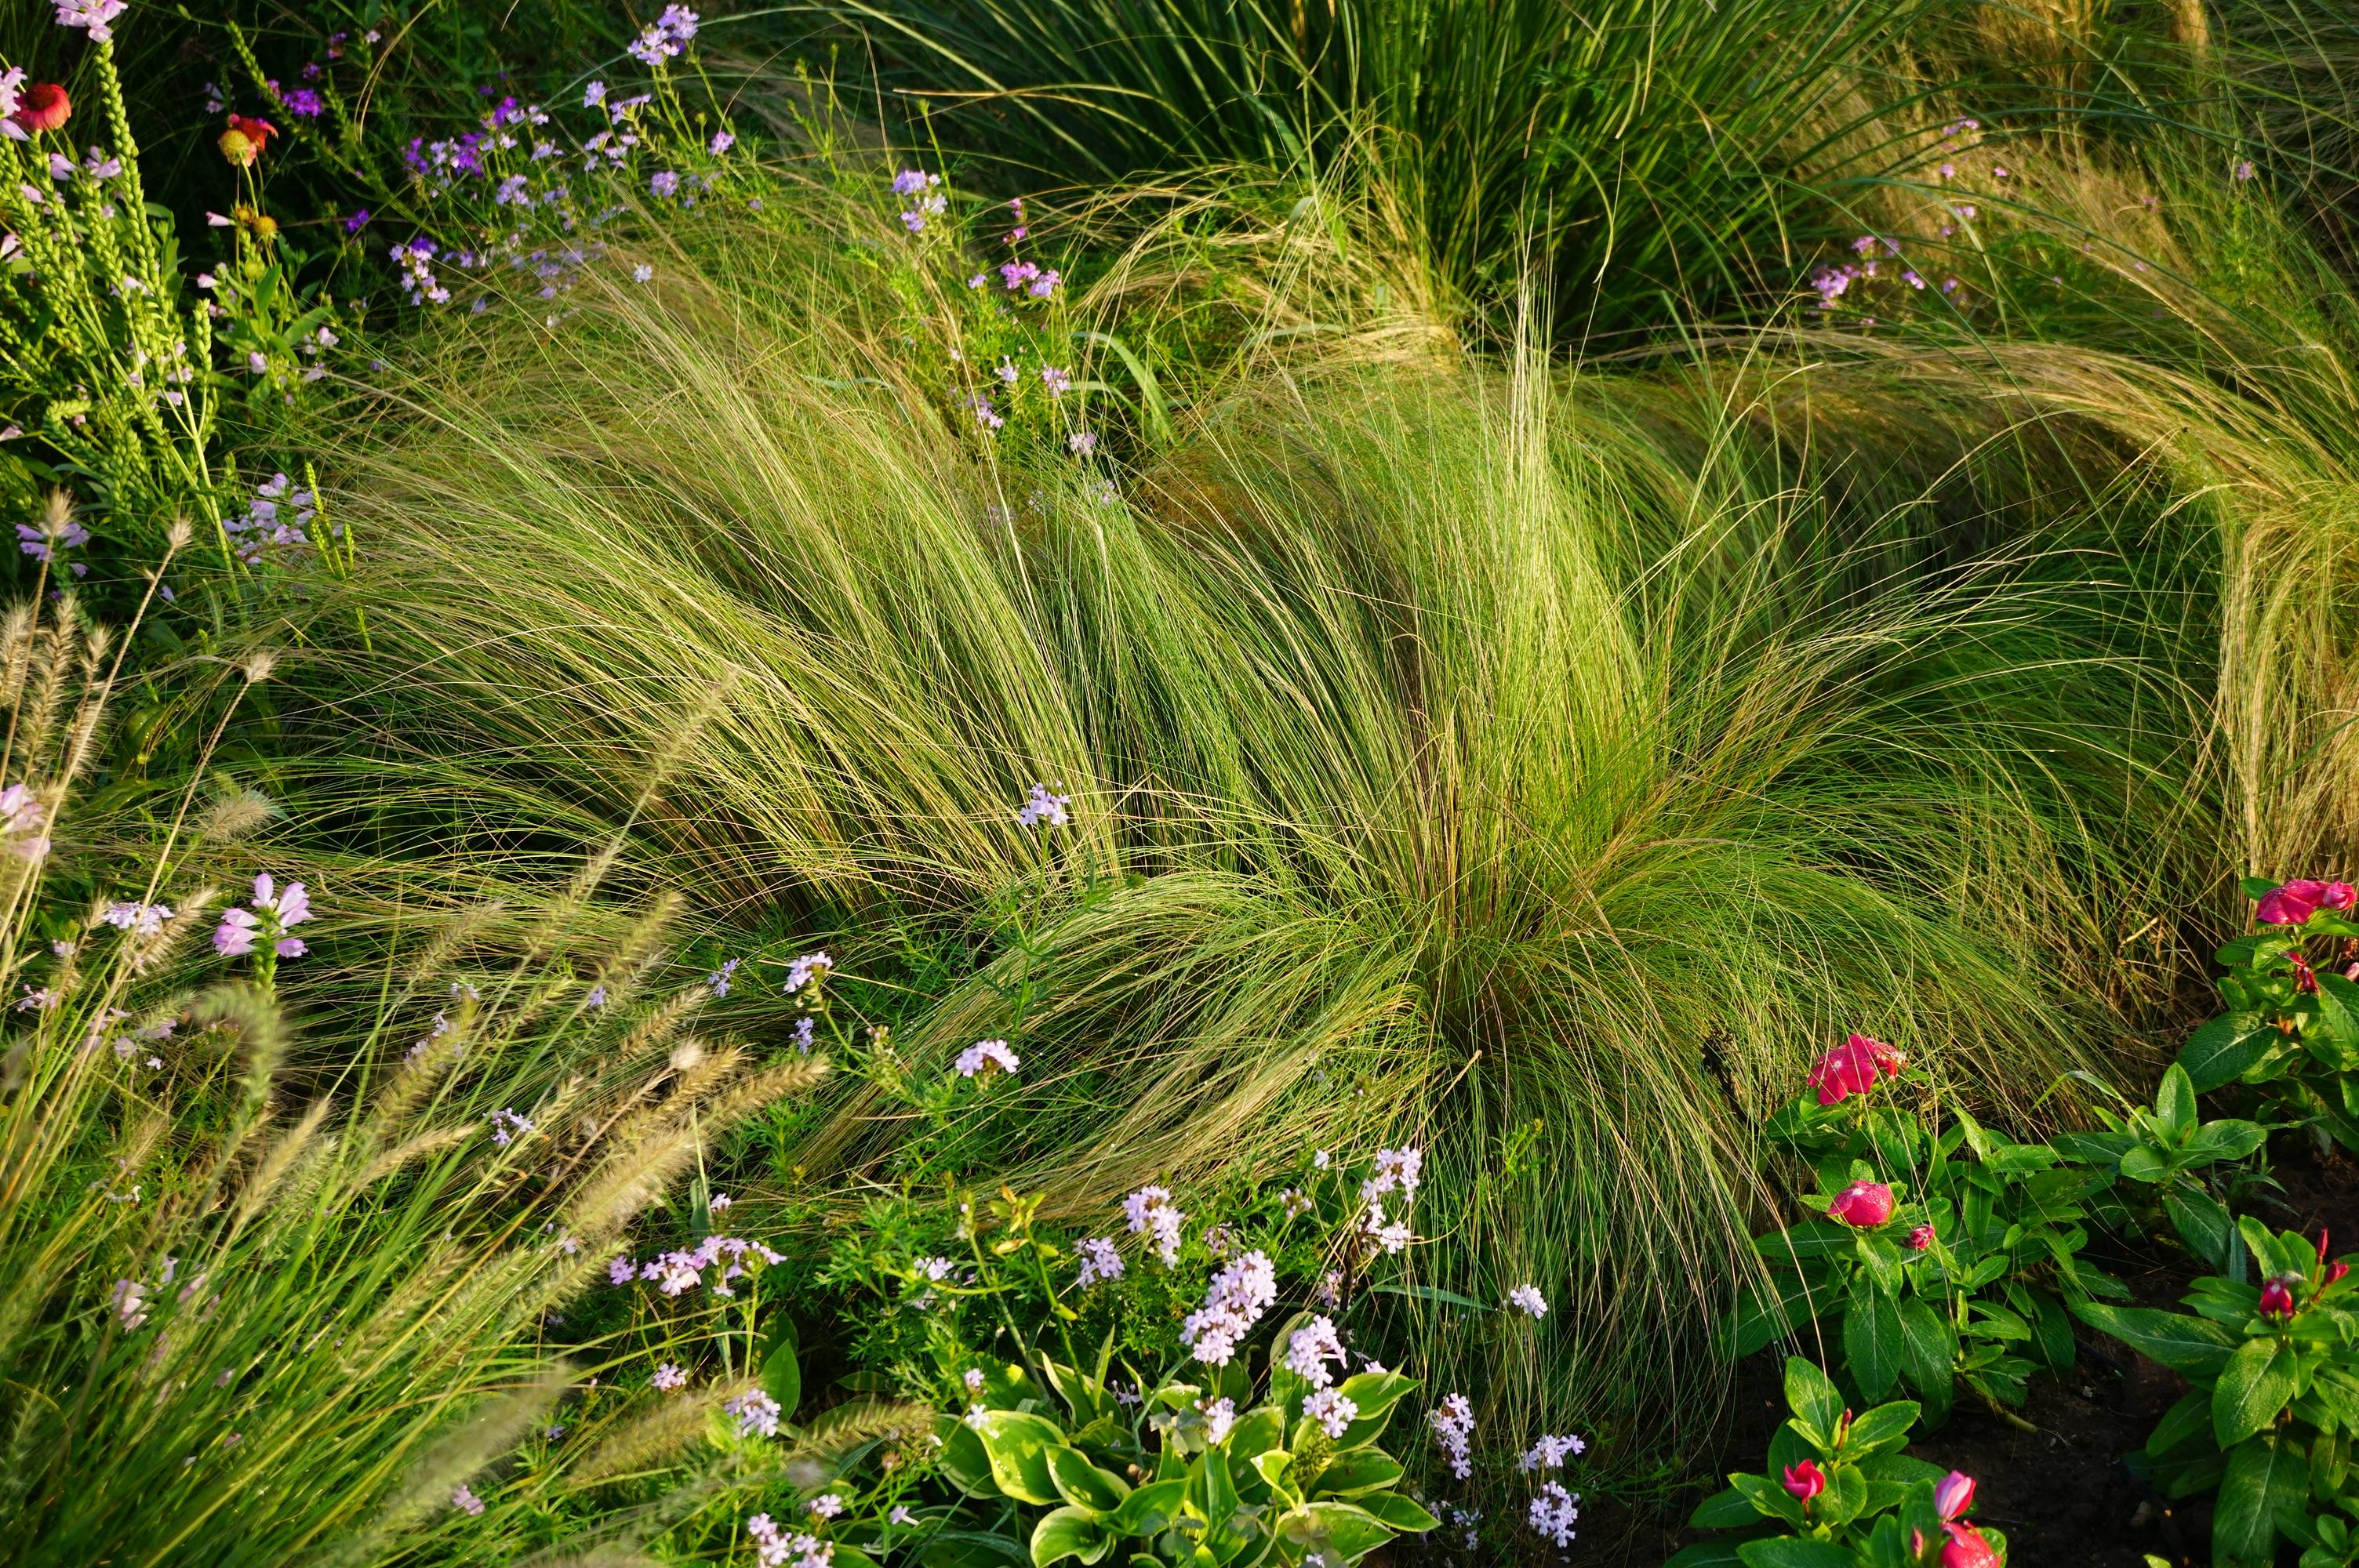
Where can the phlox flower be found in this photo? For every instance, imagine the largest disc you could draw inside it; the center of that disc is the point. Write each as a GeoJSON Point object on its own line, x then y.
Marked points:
{"type": "Point", "coordinates": [1402, 1168]}
{"type": "Point", "coordinates": [1529, 1299]}
{"type": "Point", "coordinates": [757, 1413]}
{"type": "Point", "coordinates": [1308, 1349]}
{"type": "Point", "coordinates": [1453, 1428]}
{"type": "Point", "coordinates": [1057, 381]}
{"type": "Point", "coordinates": [810, 970]}
{"type": "Point", "coordinates": [984, 1058]}
{"type": "Point", "coordinates": [1150, 1213]}
{"type": "Point", "coordinates": [1099, 1262]}
{"type": "Point", "coordinates": [1042, 807]}
{"type": "Point", "coordinates": [466, 1502]}
{"type": "Point", "coordinates": [719, 978]}
{"type": "Point", "coordinates": [1082, 442]}
{"type": "Point", "coordinates": [1552, 1513]}
{"type": "Point", "coordinates": [1330, 1409]}
{"type": "Point", "coordinates": [1237, 1297]}
{"type": "Point", "coordinates": [139, 919]}
{"type": "Point", "coordinates": [1392, 1236]}
{"type": "Point", "coordinates": [1551, 1451]}
{"type": "Point", "coordinates": [507, 1127]}
{"type": "Point", "coordinates": [826, 1506]}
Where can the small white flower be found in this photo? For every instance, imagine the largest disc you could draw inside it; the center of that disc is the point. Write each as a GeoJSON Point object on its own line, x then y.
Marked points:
{"type": "Point", "coordinates": [1529, 1299]}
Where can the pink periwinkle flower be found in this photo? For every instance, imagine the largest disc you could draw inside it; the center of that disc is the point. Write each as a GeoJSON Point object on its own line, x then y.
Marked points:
{"type": "Point", "coordinates": [1862, 1206]}
{"type": "Point", "coordinates": [1805, 1481]}
{"type": "Point", "coordinates": [1966, 1548]}
{"type": "Point", "coordinates": [1954, 1495]}
{"type": "Point", "coordinates": [2276, 1296]}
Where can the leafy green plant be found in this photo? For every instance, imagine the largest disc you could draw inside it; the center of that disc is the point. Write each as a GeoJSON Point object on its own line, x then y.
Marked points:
{"type": "Point", "coordinates": [1965, 1286]}
{"type": "Point", "coordinates": [1838, 1493]}
{"type": "Point", "coordinates": [2291, 1028]}
{"type": "Point", "coordinates": [2273, 1411]}
{"type": "Point", "coordinates": [2193, 1170]}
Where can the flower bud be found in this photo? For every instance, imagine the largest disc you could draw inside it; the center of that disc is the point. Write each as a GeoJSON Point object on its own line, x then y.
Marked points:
{"type": "Point", "coordinates": [2276, 1296]}
{"type": "Point", "coordinates": [1805, 1481]}
{"type": "Point", "coordinates": [1862, 1206]}
{"type": "Point", "coordinates": [2338, 896]}
{"type": "Point", "coordinates": [1954, 1496]}
{"type": "Point", "coordinates": [1920, 1238]}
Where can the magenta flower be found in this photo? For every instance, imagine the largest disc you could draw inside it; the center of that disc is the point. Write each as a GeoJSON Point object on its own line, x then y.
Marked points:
{"type": "Point", "coordinates": [2293, 903]}
{"type": "Point", "coordinates": [2276, 1296]}
{"type": "Point", "coordinates": [1954, 1496]}
{"type": "Point", "coordinates": [1862, 1206]}
{"type": "Point", "coordinates": [1920, 1238]}
{"type": "Point", "coordinates": [1853, 1069]}
{"type": "Point", "coordinates": [1805, 1481]}
{"type": "Point", "coordinates": [1967, 1548]}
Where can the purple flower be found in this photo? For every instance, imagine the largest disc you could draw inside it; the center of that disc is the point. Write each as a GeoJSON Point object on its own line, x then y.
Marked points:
{"type": "Point", "coordinates": [2244, 169]}
{"type": "Point", "coordinates": [721, 142]}
{"type": "Point", "coordinates": [357, 221]}
{"type": "Point", "coordinates": [1057, 381]}
{"type": "Point", "coordinates": [90, 16]}
{"type": "Point", "coordinates": [1082, 442]}
{"type": "Point", "coordinates": [665, 183]}
{"type": "Point", "coordinates": [272, 911]}
{"type": "Point", "coordinates": [303, 102]}
{"type": "Point", "coordinates": [594, 95]}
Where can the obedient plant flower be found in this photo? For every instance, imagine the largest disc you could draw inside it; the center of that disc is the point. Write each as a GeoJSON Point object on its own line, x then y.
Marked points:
{"type": "Point", "coordinates": [2276, 1296]}
{"type": "Point", "coordinates": [1862, 1206]}
{"type": "Point", "coordinates": [269, 919]}
{"type": "Point", "coordinates": [1954, 1496]}
{"type": "Point", "coordinates": [1805, 1481]}
{"type": "Point", "coordinates": [43, 106]}
{"type": "Point", "coordinates": [1529, 1299]}
{"type": "Point", "coordinates": [1966, 1548]}
{"type": "Point", "coordinates": [92, 17]}
{"type": "Point", "coordinates": [21, 818]}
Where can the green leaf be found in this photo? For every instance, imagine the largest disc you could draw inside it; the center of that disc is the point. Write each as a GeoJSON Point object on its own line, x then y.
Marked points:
{"type": "Point", "coordinates": [2220, 1052]}
{"type": "Point", "coordinates": [1810, 1240]}
{"type": "Point", "coordinates": [2203, 1223]}
{"type": "Point", "coordinates": [1083, 1484]}
{"type": "Point", "coordinates": [1871, 1338]}
{"type": "Point", "coordinates": [1261, 1428]}
{"type": "Point", "coordinates": [2261, 1477]}
{"type": "Point", "coordinates": [1431, 1294]}
{"type": "Point", "coordinates": [2256, 1384]}
{"type": "Point", "coordinates": [1150, 1508]}
{"type": "Point", "coordinates": [1730, 1509]}
{"type": "Point", "coordinates": [1764, 1319]}
{"type": "Point", "coordinates": [1358, 1470]}
{"type": "Point", "coordinates": [2174, 1103]}
{"type": "Point", "coordinates": [1399, 1513]}
{"type": "Point", "coordinates": [1886, 1426]}
{"type": "Point", "coordinates": [1344, 1529]}
{"type": "Point", "coordinates": [1069, 1532]}
{"type": "Point", "coordinates": [2185, 1422]}
{"type": "Point", "coordinates": [1018, 1444]}
{"type": "Point", "coordinates": [2225, 1140]}
{"type": "Point", "coordinates": [1812, 1395]}
{"type": "Point", "coordinates": [971, 1549]}
{"type": "Point", "coordinates": [1376, 1393]}
{"type": "Point", "coordinates": [2190, 1346]}
{"type": "Point", "coordinates": [965, 1463]}
{"type": "Point", "coordinates": [1707, 1554]}
{"type": "Point", "coordinates": [1794, 1552]}
{"type": "Point", "coordinates": [1928, 1349]}
{"type": "Point", "coordinates": [782, 1372]}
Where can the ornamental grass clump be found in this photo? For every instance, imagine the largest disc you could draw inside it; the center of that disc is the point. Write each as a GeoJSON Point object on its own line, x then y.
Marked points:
{"type": "Point", "coordinates": [1441, 747]}
{"type": "Point", "coordinates": [268, 1301]}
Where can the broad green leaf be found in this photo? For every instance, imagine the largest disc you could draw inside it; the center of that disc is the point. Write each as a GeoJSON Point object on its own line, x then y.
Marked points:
{"type": "Point", "coordinates": [1810, 1240]}
{"type": "Point", "coordinates": [1768, 1317]}
{"type": "Point", "coordinates": [1707, 1554]}
{"type": "Point", "coordinates": [2261, 1477]}
{"type": "Point", "coordinates": [2257, 1382]}
{"type": "Point", "coordinates": [2225, 1140]}
{"type": "Point", "coordinates": [1794, 1552]}
{"type": "Point", "coordinates": [1398, 1513]}
{"type": "Point", "coordinates": [1376, 1393]}
{"type": "Point", "coordinates": [2142, 1163]}
{"type": "Point", "coordinates": [2184, 1422]}
{"type": "Point", "coordinates": [1358, 1470]}
{"type": "Point", "coordinates": [1812, 1395]}
{"type": "Point", "coordinates": [1083, 1484]}
{"type": "Point", "coordinates": [963, 1461]}
{"type": "Point", "coordinates": [2203, 1223]}
{"type": "Point", "coordinates": [1730, 1509]}
{"type": "Point", "coordinates": [1263, 1427]}
{"type": "Point", "coordinates": [1871, 1338]}
{"type": "Point", "coordinates": [1018, 1444]}
{"type": "Point", "coordinates": [1272, 1465]}
{"type": "Point", "coordinates": [1886, 1426]}
{"type": "Point", "coordinates": [1069, 1532]}
{"type": "Point", "coordinates": [2220, 1051]}
{"type": "Point", "coordinates": [2193, 1347]}
{"type": "Point", "coordinates": [1929, 1348]}
{"type": "Point", "coordinates": [1343, 1531]}
{"type": "Point", "coordinates": [782, 1372]}
{"type": "Point", "coordinates": [1150, 1507]}
{"type": "Point", "coordinates": [2174, 1104]}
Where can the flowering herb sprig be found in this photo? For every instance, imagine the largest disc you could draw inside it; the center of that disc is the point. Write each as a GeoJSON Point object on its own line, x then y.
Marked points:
{"type": "Point", "coordinates": [261, 928]}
